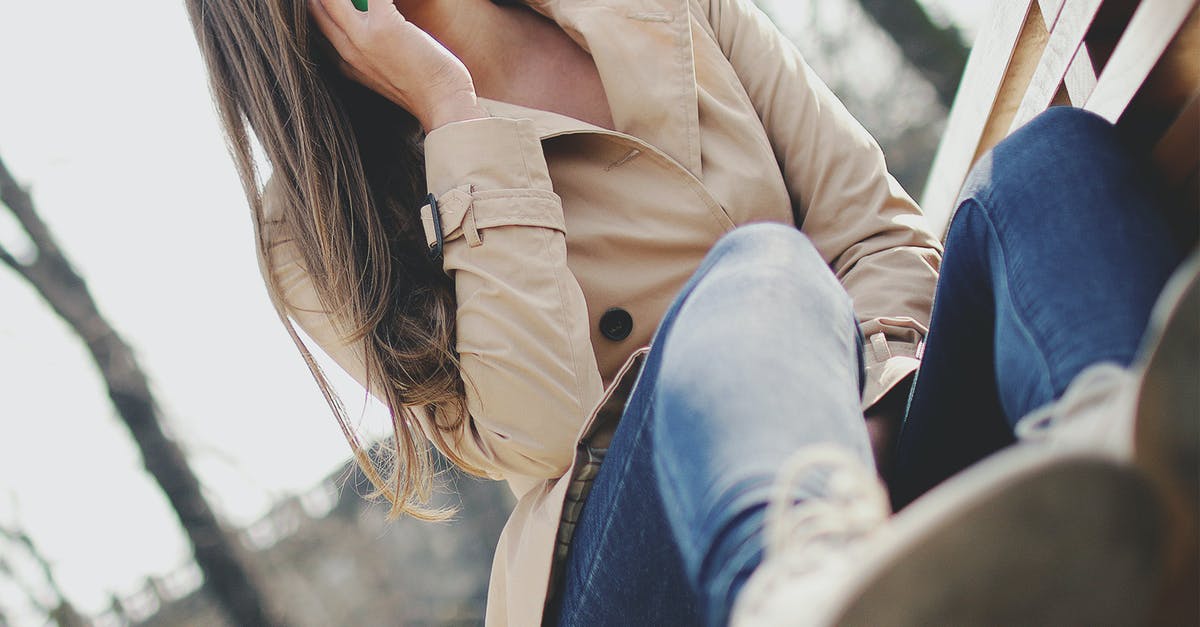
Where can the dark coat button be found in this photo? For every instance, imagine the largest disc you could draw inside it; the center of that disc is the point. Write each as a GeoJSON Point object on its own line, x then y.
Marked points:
{"type": "Point", "coordinates": [616, 324]}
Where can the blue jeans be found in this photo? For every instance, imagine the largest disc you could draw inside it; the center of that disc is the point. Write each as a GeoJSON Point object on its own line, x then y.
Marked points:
{"type": "Point", "coordinates": [1053, 263]}
{"type": "Point", "coordinates": [760, 356]}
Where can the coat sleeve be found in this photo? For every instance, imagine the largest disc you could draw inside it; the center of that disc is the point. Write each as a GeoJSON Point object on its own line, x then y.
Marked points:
{"type": "Point", "coordinates": [522, 326]}
{"type": "Point", "coordinates": [866, 227]}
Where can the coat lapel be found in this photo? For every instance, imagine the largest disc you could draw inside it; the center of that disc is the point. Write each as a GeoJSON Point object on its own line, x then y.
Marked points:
{"type": "Point", "coordinates": [643, 51]}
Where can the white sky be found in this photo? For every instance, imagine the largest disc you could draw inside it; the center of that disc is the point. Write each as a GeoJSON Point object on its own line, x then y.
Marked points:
{"type": "Point", "coordinates": [104, 111]}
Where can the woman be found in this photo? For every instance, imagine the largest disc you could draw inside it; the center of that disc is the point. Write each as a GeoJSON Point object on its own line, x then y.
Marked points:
{"type": "Point", "coordinates": [646, 130]}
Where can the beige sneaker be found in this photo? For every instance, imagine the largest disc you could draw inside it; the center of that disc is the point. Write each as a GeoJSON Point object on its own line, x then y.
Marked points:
{"type": "Point", "coordinates": [813, 547]}
{"type": "Point", "coordinates": [1148, 416]}
{"type": "Point", "coordinates": [1148, 413]}
{"type": "Point", "coordinates": [1095, 412]}
{"type": "Point", "coordinates": [1166, 436]}
{"type": "Point", "coordinates": [1068, 533]}
{"type": "Point", "coordinates": [1167, 433]}
{"type": "Point", "coordinates": [1031, 536]}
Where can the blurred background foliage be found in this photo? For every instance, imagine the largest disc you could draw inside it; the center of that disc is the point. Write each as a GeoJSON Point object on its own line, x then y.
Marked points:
{"type": "Point", "coordinates": [892, 65]}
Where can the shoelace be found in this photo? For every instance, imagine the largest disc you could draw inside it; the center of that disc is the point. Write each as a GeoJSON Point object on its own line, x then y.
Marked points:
{"type": "Point", "coordinates": [824, 505]}
{"type": "Point", "coordinates": [848, 506]}
{"type": "Point", "coordinates": [1094, 385]}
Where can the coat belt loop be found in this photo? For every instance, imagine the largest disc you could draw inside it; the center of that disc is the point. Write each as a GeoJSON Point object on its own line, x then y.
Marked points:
{"type": "Point", "coordinates": [471, 228]}
{"type": "Point", "coordinates": [880, 347]}
{"type": "Point", "coordinates": [435, 249]}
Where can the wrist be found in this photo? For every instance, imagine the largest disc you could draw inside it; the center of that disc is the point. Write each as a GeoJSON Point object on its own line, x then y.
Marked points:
{"type": "Point", "coordinates": [447, 111]}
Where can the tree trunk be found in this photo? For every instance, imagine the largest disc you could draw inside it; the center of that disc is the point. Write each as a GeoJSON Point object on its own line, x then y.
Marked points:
{"type": "Point", "coordinates": [217, 552]}
{"type": "Point", "coordinates": [937, 52]}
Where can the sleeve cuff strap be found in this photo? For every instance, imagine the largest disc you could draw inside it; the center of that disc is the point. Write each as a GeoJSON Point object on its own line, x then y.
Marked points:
{"type": "Point", "coordinates": [888, 363]}
{"type": "Point", "coordinates": [465, 214]}
{"type": "Point", "coordinates": [881, 378]}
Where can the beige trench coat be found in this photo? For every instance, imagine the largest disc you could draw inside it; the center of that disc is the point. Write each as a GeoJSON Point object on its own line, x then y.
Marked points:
{"type": "Point", "coordinates": [549, 222]}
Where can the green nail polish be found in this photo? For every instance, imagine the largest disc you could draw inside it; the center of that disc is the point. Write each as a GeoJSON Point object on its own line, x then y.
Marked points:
{"type": "Point", "coordinates": [361, 5]}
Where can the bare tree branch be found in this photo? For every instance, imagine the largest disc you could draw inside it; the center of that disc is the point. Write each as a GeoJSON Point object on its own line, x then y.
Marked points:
{"type": "Point", "coordinates": [22, 539]}
{"type": "Point", "coordinates": [224, 563]}
{"type": "Point", "coordinates": [11, 195]}
{"type": "Point", "coordinates": [18, 200]}
{"type": "Point", "coordinates": [7, 259]}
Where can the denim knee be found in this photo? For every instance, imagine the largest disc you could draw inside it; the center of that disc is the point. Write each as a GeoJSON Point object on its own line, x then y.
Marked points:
{"type": "Point", "coordinates": [1062, 152]}
{"type": "Point", "coordinates": [755, 238]}
{"type": "Point", "coordinates": [1064, 125]}
{"type": "Point", "coordinates": [766, 254]}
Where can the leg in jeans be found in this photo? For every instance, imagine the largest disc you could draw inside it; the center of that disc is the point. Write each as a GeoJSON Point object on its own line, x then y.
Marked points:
{"type": "Point", "coordinates": [1052, 263]}
{"type": "Point", "coordinates": [757, 358]}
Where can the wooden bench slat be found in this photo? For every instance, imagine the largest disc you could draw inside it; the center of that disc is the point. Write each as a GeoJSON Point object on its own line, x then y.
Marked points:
{"type": "Point", "coordinates": [1050, 11]}
{"type": "Point", "coordinates": [1167, 92]}
{"type": "Point", "coordinates": [985, 72]}
{"type": "Point", "coordinates": [1177, 153]}
{"type": "Point", "coordinates": [1065, 40]}
{"type": "Point", "coordinates": [1177, 159]}
{"type": "Point", "coordinates": [1031, 43]}
{"type": "Point", "coordinates": [1150, 31]}
{"type": "Point", "coordinates": [1081, 77]}
{"type": "Point", "coordinates": [1081, 73]}
{"type": "Point", "coordinates": [1035, 53]}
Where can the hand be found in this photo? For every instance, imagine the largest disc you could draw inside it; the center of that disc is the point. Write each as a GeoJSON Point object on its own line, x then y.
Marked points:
{"type": "Point", "coordinates": [398, 60]}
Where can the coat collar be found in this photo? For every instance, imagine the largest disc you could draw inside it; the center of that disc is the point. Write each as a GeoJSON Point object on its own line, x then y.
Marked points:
{"type": "Point", "coordinates": [643, 51]}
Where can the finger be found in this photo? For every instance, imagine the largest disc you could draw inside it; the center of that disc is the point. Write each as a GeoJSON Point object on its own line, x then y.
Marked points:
{"type": "Point", "coordinates": [383, 14]}
{"type": "Point", "coordinates": [343, 14]}
{"type": "Point", "coordinates": [381, 8]}
{"type": "Point", "coordinates": [334, 33]}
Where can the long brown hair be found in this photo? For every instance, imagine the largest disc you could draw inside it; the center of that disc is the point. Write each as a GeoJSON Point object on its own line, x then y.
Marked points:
{"type": "Point", "coordinates": [348, 172]}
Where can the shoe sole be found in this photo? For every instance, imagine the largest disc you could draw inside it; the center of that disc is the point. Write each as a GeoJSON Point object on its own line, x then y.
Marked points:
{"type": "Point", "coordinates": [1167, 435]}
{"type": "Point", "coordinates": [1023, 538]}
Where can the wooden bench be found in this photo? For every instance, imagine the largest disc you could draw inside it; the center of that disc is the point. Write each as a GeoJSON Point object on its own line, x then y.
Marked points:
{"type": "Point", "coordinates": [1134, 62]}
